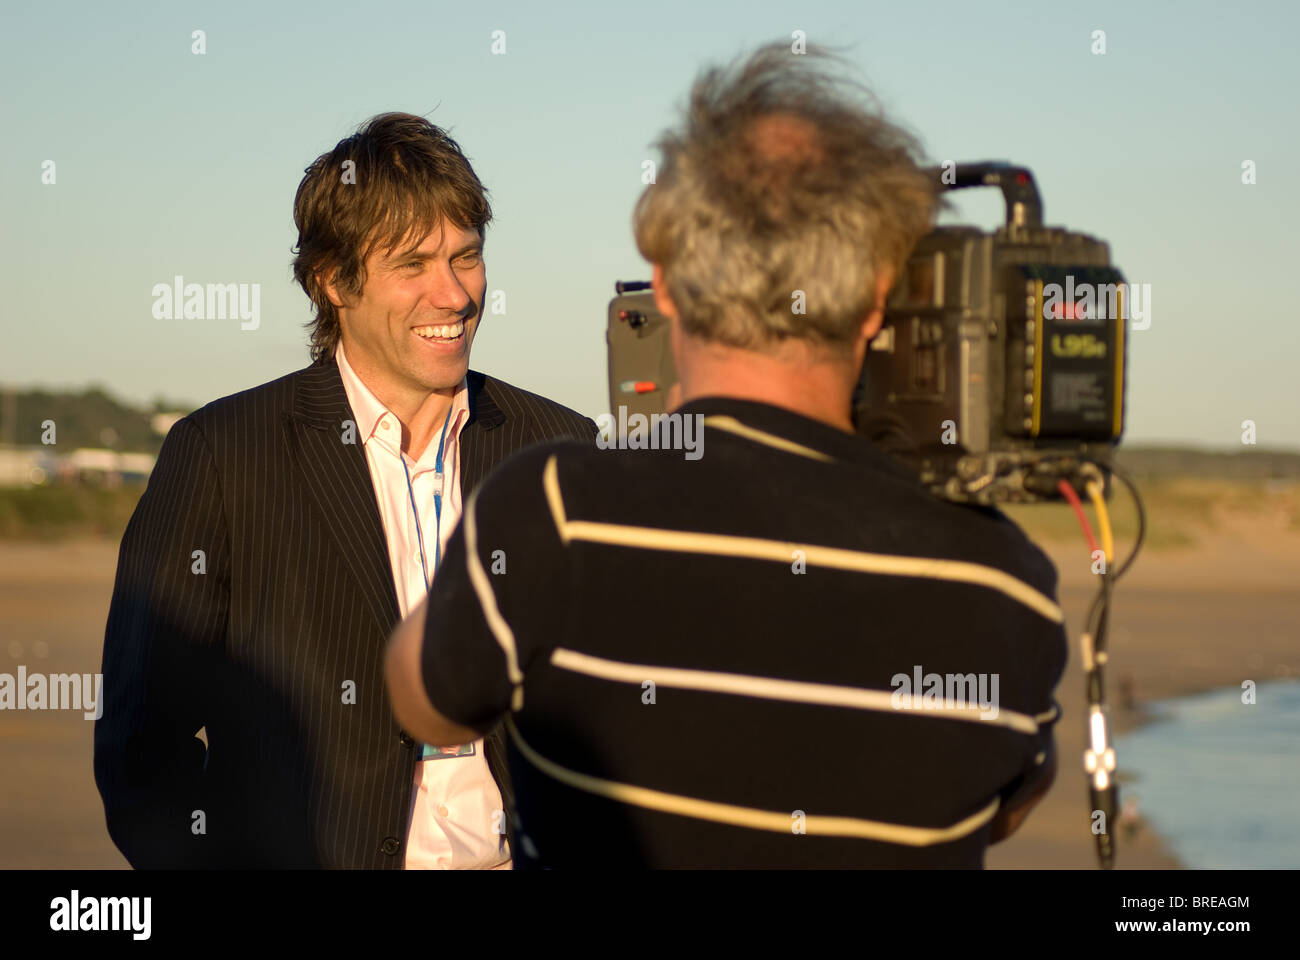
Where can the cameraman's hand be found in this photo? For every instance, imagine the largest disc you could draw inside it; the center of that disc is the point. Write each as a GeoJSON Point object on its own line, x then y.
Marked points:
{"type": "Point", "coordinates": [1008, 819]}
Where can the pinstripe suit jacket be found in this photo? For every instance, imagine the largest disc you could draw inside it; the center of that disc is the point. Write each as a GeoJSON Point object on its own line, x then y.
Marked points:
{"type": "Point", "coordinates": [254, 599]}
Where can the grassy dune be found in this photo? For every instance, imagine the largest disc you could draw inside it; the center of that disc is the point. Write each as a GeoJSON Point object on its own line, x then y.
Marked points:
{"type": "Point", "coordinates": [1181, 511]}
{"type": "Point", "coordinates": [66, 511]}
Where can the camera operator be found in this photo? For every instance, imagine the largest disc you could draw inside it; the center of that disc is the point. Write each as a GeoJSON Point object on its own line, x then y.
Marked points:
{"type": "Point", "coordinates": [702, 660]}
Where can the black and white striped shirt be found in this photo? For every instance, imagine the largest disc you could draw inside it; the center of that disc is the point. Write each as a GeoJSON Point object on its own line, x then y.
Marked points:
{"type": "Point", "coordinates": [699, 660]}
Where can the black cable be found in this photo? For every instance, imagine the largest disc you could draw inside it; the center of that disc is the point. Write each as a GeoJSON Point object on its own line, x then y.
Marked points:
{"type": "Point", "coordinates": [1106, 799]}
{"type": "Point", "coordinates": [1125, 479]}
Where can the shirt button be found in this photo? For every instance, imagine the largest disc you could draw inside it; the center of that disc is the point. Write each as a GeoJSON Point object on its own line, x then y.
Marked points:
{"type": "Point", "coordinates": [383, 424]}
{"type": "Point", "coordinates": [442, 810]}
{"type": "Point", "coordinates": [405, 740]}
{"type": "Point", "coordinates": [390, 846]}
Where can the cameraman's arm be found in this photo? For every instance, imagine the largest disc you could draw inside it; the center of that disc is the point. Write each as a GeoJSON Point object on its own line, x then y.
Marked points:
{"type": "Point", "coordinates": [162, 645]}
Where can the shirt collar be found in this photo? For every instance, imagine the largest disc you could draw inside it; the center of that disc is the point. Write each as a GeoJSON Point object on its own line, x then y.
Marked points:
{"type": "Point", "coordinates": [370, 410]}
{"type": "Point", "coordinates": [366, 407]}
{"type": "Point", "coordinates": [795, 428]}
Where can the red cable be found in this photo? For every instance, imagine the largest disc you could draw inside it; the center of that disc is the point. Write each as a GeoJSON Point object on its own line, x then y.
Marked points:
{"type": "Point", "coordinates": [1067, 491]}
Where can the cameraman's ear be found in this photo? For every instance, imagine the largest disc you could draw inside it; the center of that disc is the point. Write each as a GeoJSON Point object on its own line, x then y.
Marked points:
{"type": "Point", "coordinates": [871, 326]}
{"type": "Point", "coordinates": [663, 302]}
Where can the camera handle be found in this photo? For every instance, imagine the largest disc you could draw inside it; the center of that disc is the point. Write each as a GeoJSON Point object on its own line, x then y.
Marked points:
{"type": "Point", "coordinates": [1024, 205]}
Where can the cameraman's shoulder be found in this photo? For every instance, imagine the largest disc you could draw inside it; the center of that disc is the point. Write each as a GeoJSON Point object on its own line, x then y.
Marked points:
{"type": "Point", "coordinates": [533, 492]}
{"type": "Point", "coordinates": [970, 533]}
{"type": "Point", "coordinates": [547, 420]}
{"type": "Point", "coordinates": [1019, 554]}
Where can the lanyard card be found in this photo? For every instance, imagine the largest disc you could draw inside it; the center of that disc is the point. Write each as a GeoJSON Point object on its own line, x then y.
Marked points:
{"type": "Point", "coordinates": [442, 753]}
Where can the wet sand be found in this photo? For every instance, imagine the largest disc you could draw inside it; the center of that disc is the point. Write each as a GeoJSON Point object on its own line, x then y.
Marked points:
{"type": "Point", "coordinates": [1183, 621]}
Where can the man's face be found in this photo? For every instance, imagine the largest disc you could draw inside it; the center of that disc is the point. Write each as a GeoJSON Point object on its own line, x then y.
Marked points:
{"type": "Point", "coordinates": [412, 326]}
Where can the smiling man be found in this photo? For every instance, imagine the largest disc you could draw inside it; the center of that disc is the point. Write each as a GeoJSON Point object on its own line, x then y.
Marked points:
{"type": "Point", "coordinates": [287, 529]}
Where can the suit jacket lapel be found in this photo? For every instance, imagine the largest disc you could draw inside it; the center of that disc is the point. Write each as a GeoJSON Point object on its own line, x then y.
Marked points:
{"type": "Point", "coordinates": [480, 451]}
{"type": "Point", "coordinates": [334, 472]}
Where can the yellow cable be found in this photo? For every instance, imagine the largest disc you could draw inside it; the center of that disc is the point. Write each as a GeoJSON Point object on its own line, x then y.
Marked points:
{"type": "Point", "coordinates": [1103, 521]}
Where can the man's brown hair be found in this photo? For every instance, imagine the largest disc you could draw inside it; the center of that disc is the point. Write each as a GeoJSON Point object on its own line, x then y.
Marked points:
{"type": "Point", "coordinates": [392, 182]}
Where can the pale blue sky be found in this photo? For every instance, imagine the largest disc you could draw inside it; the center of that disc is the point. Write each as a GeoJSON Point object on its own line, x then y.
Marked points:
{"type": "Point", "coordinates": [170, 163]}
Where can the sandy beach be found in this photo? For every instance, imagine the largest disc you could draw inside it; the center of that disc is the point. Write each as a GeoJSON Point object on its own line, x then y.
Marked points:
{"type": "Point", "coordinates": [1184, 620]}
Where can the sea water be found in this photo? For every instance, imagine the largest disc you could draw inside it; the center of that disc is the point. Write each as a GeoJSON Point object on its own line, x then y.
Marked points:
{"type": "Point", "coordinates": [1219, 779]}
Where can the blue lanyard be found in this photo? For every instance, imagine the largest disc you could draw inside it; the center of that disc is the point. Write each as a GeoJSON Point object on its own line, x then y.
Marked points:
{"type": "Point", "coordinates": [437, 505]}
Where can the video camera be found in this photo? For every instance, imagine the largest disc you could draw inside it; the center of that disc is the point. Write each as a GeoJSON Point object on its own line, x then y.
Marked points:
{"type": "Point", "coordinates": [999, 369]}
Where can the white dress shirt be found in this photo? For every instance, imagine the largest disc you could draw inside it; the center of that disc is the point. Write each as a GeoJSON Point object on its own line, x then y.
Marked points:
{"type": "Point", "coordinates": [456, 813]}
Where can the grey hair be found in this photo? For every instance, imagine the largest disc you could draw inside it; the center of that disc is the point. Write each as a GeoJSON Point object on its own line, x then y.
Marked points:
{"type": "Point", "coordinates": [739, 227]}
